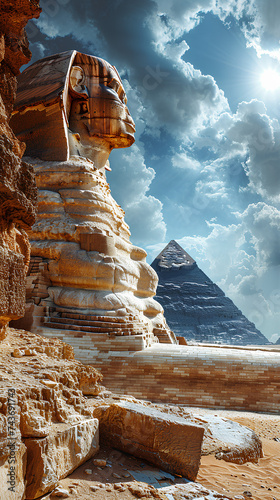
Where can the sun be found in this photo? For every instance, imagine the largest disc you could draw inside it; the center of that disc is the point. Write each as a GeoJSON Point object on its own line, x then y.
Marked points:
{"type": "Point", "coordinates": [270, 80]}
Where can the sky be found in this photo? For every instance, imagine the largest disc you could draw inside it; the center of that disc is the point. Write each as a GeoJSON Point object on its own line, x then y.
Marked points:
{"type": "Point", "coordinates": [202, 79]}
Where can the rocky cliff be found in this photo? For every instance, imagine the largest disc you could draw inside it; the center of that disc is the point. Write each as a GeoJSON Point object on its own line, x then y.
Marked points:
{"type": "Point", "coordinates": [195, 307]}
{"type": "Point", "coordinates": [17, 183]}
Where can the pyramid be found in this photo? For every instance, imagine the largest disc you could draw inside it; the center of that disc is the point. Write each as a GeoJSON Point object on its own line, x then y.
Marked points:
{"type": "Point", "coordinates": [195, 307]}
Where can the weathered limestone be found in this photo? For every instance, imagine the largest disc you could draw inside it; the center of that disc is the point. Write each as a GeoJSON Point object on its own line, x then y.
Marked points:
{"type": "Point", "coordinates": [17, 184]}
{"type": "Point", "coordinates": [41, 390]}
{"type": "Point", "coordinates": [84, 270]}
{"type": "Point", "coordinates": [58, 454]}
{"type": "Point", "coordinates": [167, 441]}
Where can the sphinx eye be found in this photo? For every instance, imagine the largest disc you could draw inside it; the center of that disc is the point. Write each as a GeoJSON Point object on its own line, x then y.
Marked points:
{"type": "Point", "coordinates": [83, 108]}
{"type": "Point", "coordinates": [114, 84]}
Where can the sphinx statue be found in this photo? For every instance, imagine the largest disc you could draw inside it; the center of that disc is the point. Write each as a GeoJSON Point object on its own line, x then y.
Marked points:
{"type": "Point", "coordinates": [85, 274]}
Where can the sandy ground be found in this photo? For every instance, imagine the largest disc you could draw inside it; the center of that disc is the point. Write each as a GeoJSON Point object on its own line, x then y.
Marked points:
{"type": "Point", "coordinates": [239, 482]}
{"type": "Point", "coordinates": [262, 480]}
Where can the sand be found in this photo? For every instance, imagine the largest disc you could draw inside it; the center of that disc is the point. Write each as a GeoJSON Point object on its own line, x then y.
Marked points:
{"type": "Point", "coordinates": [262, 480]}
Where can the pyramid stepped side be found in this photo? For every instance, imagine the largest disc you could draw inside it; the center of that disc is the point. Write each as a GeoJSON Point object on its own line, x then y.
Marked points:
{"type": "Point", "coordinates": [195, 307]}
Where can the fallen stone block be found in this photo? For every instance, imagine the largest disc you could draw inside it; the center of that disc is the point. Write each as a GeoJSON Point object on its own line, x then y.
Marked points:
{"type": "Point", "coordinates": [54, 457]}
{"type": "Point", "coordinates": [163, 439]}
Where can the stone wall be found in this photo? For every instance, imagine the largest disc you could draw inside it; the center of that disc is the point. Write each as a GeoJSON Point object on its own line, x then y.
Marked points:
{"type": "Point", "coordinates": [17, 184]}
{"type": "Point", "coordinates": [236, 378]}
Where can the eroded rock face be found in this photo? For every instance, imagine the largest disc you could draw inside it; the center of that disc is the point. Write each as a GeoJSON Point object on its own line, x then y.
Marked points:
{"type": "Point", "coordinates": [57, 455]}
{"type": "Point", "coordinates": [43, 408]}
{"type": "Point", "coordinates": [17, 184]}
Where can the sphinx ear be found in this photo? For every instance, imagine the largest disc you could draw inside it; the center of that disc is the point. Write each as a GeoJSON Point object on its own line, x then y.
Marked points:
{"type": "Point", "coordinates": [77, 80]}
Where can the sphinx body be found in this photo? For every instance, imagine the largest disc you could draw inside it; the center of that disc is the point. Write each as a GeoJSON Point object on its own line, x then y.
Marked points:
{"type": "Point", "coordinates": [71, 112]}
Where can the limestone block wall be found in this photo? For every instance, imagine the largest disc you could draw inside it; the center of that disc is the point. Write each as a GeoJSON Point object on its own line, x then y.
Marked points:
{"type": "Point", "coordinates": [201, 376]}
{"type": "Point", "coordinates": [228, 378]}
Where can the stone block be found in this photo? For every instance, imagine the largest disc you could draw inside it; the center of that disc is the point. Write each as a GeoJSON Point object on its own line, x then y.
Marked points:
{"type": "Point", "coordinates": [54, 457]}
{"type": "Point", "coordinates": [165, 440]}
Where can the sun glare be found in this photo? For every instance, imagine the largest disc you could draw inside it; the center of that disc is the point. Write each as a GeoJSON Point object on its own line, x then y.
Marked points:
{"type": "Point", "coordinates": [270, 80]}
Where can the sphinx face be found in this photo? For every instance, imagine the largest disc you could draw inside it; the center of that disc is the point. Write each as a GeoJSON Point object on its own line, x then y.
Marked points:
{"type": "Point", "coordinates": [98, 109]}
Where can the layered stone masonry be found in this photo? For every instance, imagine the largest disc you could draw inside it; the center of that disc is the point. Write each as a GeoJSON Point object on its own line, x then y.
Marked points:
{"type": "Point", "coordinates": [85, 275]}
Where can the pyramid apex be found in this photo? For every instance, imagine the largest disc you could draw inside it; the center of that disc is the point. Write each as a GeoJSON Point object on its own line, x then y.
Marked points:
{"type": "Point", "coordinates": [173, 255]}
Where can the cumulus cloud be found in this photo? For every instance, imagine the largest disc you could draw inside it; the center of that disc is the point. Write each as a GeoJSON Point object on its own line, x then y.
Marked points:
{"type": "Point", "coordinates": [260, 136]}
{"type": "Point", "coordinates": [263, 223]}
{"type": "Point", "coordinates": [145, 219]}
{"type": "Point", "coordinates": [130, 182]}
{"type": "Point", "coordinates": [244, 259]}
{"type": "Point", "coordinates": [182, 160]}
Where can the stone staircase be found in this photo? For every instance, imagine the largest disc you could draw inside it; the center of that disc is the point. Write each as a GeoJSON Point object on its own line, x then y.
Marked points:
{"type": "Point", "coordinates": [93, 324]}
{"type": "Point", "coordinates": [165, 336]}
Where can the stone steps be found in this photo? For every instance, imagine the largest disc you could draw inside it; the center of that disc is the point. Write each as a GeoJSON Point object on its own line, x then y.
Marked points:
{"type": "Point", "coordinates": [162, 336]}
{"type": "Point", "coordinates": [89, 329]}
{"type": "Point", "coordinates": [92, 323]}
{"type": "Point", "coordinates": [88, 317]}
{"type": "Point", "coordinates": [97, 324]}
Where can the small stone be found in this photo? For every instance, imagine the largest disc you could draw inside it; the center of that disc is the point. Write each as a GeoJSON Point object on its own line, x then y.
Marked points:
{"type": "Point", "coordinates": [17, 353]}
{"type": "Point", "coordinates": [98, 462]}
{"type": "Point", "coordinates": [93, 488]}
{"type": "Point", "coordinates": [126, 474]}
{"type": "Point", "coordinates": [117, 476]}
{"type": "Point", "coordinates": [119, 487]}
{"type": "Point", "coordinates": [136, 490]}
{"type": "Point", "coordinates": [60, 492]}
{"type": "Point", "coordinates": [49, 383]}
{"type": "Point", "coordinates": [247, 493]}
{"type": "Point", "coordinates": [88, 471]}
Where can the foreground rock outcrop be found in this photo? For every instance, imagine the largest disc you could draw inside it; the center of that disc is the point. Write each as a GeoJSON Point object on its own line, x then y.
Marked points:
{"type": "Point", "coordinates": [17, 183]}
{"type": "Point", "coordinates": [45, 424]}
{"type": "Point", "coordinates": [195, 307]}
{"type": "Point", "coordinates": [54, 457]}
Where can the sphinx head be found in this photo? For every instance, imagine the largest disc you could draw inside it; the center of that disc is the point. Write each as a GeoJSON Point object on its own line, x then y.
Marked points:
{"type": "Point", "coordinates": [72, 104]}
